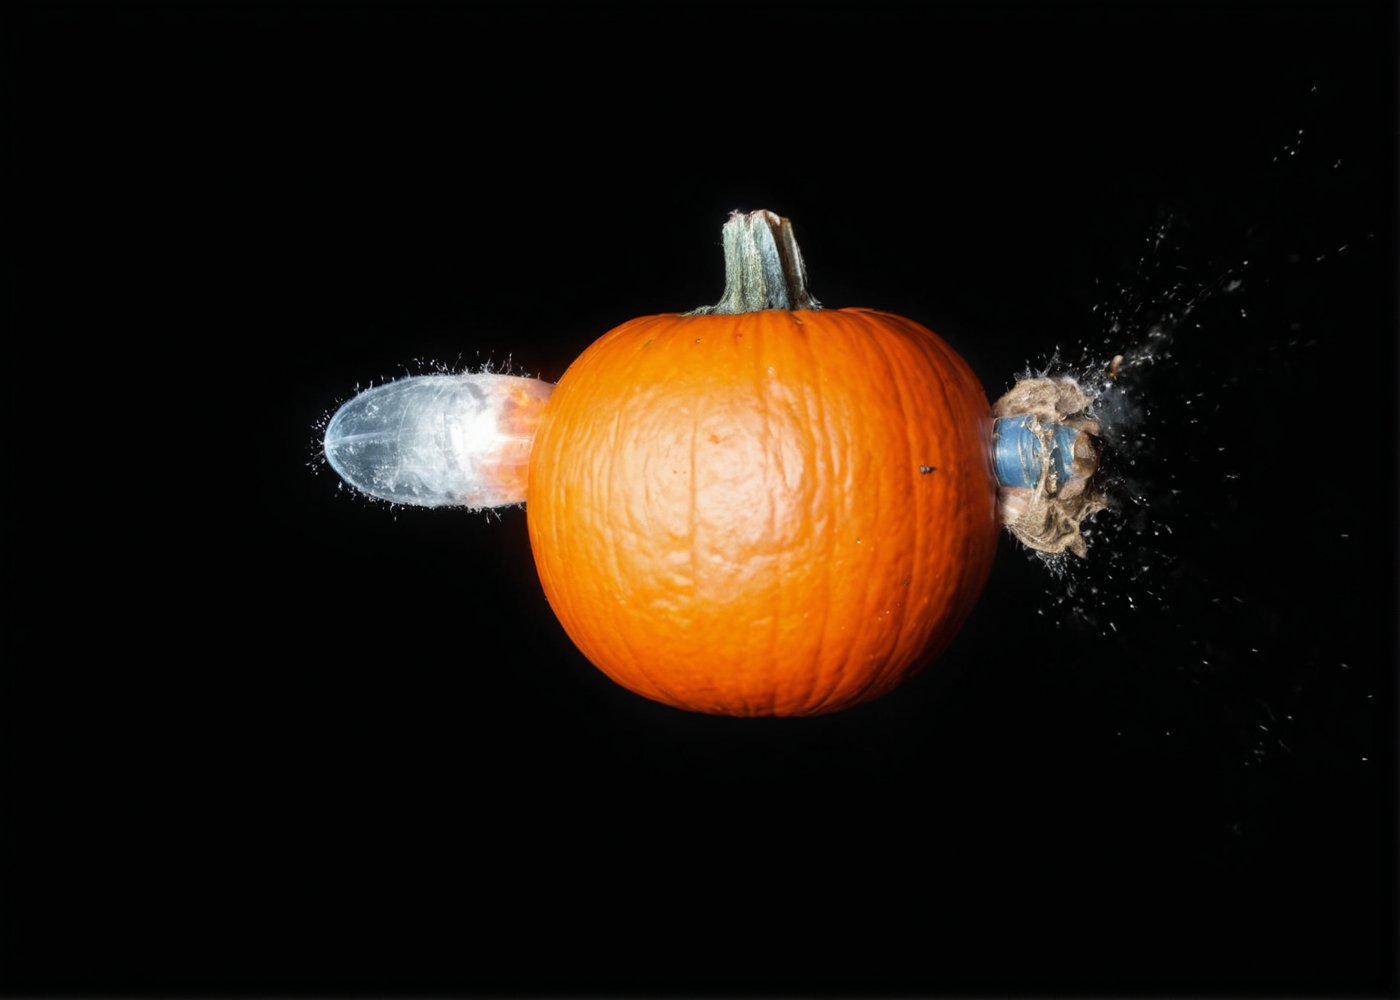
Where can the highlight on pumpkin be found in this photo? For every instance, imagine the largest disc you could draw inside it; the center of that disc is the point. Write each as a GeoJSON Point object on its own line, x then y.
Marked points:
{"type": "Point", "coordinates": [439, 440]}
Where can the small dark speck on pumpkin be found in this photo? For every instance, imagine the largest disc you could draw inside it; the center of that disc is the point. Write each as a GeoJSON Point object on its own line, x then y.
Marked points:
{"type": "Point", "coordinates": [926, 469]}
{"type": "Point", "coordinates": [697, 340]}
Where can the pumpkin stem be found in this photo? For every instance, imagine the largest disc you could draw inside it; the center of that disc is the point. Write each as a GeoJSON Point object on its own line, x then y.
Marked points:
{"type": "Point", "coordinates": [762, 267]}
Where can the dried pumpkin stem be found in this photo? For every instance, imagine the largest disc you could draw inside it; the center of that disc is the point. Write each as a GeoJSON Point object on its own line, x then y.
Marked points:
{"type": "Point", "coordinates": [762, 267]}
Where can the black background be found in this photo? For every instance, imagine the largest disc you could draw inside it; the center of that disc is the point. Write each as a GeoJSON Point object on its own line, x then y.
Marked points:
{"type": "Point", "coordinates": [261, 736]}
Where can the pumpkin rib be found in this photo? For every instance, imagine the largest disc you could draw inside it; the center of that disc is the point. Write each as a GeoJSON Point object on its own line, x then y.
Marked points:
{"type": "Point", "coordinates": [768, 330]}
{"type": "Point", "coordinates": [599, 498]}
{"type": "Point", "coordinates": [628, 361]}
{"type": "Point", "coordinates": [918, 489]}
{"type": "Point", "coordinates": [694, 518]}
{"type": "Point", "coordinates": [976, 548]}
{"type": "Point", "coordinates": [947, 483]}
{"type": "Point", "coordinates": [583, 366]}
{"type": "Point", "coordinates": [901, 562]}
{"type": "Point", "coordinates": [839, 518]}
{"type": "Point", "coordinates": [828, 462]}
{"type": "Point", "coordinates": [862, 633]}
{"type": "Point", "coordinates": [859, 468]}
{"type": "Point", "coordinates": [897, 374]}
{"type": "Point", "coordinates": [821, 677]}
{"type": "Point", "coordinates": [772, 448]}
{"type": "Point", "coordinates": [607, 485]}
{"type": "Point", "coordinates": [844, 521]}
{"type": "Point", "coordinates": [573, 375]}
{"type": "Point", "coordinates": [874, 642]}
{"type": "Point", "coordinates": [667, 334]}
{"type": "Point", "coordinates": [837, 645]}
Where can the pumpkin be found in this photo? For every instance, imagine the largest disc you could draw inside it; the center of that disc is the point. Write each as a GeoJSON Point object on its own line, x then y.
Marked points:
{"type": "Point", "coordinates": [764, 507]}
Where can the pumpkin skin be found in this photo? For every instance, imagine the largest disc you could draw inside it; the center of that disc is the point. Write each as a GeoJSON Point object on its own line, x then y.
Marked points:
{"type": "Point", "coordinates": [769, 513]}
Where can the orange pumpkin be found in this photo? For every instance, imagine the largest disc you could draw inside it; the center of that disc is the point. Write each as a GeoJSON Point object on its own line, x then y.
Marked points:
{"type": "Point", "coordinates": [764, 511]}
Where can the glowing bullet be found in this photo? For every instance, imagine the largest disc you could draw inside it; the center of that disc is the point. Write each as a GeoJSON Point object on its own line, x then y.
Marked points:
{"type": "Point", "coordinates": [439, 440]}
